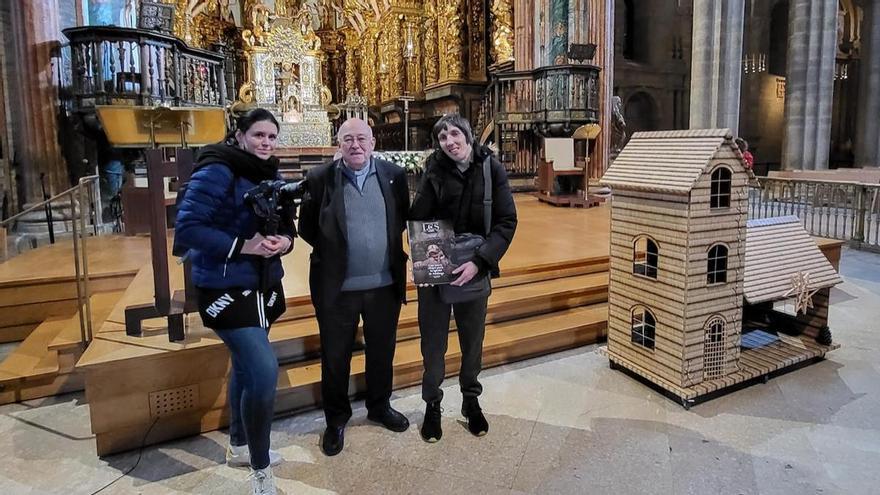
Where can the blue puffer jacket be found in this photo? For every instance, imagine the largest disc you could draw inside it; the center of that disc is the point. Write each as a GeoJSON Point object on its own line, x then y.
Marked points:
{"type": "Point", "coordinates": [214, 222]}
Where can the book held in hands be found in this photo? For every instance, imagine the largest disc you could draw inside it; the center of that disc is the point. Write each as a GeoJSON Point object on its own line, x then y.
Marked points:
{"type": "Point", "coordinates": [430, 247]}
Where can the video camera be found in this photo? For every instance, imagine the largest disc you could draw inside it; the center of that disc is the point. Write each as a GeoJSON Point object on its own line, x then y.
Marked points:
{"type": "Point", "coordinates": [271, 198]}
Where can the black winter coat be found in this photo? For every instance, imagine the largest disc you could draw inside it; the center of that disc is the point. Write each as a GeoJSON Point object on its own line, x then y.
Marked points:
{"type": "Point", "coordinates": [445, 193]}
{"type": "Point", "coordinates": [322, 224]}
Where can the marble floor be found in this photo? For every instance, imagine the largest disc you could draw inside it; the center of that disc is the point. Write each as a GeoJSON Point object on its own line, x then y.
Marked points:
{"type": "Point", "coordinates": [560, 424]}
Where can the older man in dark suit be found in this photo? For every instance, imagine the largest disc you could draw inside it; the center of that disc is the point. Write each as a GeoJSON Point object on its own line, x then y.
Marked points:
{"type": "Point", "coordinates": [353, 215]}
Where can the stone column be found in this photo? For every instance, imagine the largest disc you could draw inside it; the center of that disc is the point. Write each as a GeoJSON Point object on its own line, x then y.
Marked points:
{"type": "Point", "coordinates": [812, 36]}
{"type": "Point", "coordinates": [33, 96]}
{"type": "Point", "coordinates": [524, 36]}
{"type": "Point", "coordinates": [557, 35]}
{"type": "Point", "coordinates": [7, 186]}
{"type": "Point", "coordinates": [716, 70]}
{"type": "Point", "coordinates": [596, 25]}
{"type": "Point", "coordinates": [867, 141]}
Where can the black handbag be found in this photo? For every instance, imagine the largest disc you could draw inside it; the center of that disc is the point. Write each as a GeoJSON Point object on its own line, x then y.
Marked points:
{"type": "Point", "coordinates": [464, 249]}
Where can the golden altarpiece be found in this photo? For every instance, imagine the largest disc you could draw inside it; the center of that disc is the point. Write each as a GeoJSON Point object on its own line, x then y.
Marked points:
{"type": "Point", "coordinates": [521, 72]}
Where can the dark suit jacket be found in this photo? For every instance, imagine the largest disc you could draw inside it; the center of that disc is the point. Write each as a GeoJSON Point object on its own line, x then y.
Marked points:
{"type": "Point", "coordinates": [322, 224]}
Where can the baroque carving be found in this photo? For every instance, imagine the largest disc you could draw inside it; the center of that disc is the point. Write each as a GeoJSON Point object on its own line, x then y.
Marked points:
{"type": "Point", "coordinates": [502, 30]}
{"type": "Point", "coordinates": [369, 63]}
{"type": "Point", "coordinates": [430, 42]}
{"type": "Point", "coordinates": [452, 42]}
{"type": "Point", "coordinates": [394, 59]}
{"type": "Point", "coordinates": [257, 17]}
{"type": "Point", "coordinates": [477, 51]}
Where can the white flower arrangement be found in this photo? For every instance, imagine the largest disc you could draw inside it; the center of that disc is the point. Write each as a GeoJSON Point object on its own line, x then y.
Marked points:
{"type": "Point", "coordinates": [412, 161]}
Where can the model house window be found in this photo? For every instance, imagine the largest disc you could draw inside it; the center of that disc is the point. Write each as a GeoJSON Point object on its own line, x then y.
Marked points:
{"type": "Point", "coordinates": [720, 195]}
{"type": "Point", "coordinates": [645, 257]}
{"type": "Point", "coordinates": [713, 348]}
{"type": "Point", "coordinates": [643, 326]}
{"type": "Point", "coordinates": [716, 269]}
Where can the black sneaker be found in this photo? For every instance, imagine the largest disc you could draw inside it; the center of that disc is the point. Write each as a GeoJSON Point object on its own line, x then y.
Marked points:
{"type": "Point", "coordinates": [477, 423]}
{"type": "Point", "coordinates": [431, 430]}
{"type": "Point", "coordinates": [389, 418]}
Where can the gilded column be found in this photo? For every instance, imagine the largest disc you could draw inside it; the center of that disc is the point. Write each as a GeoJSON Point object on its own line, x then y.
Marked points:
{"type": "Point", "coordinates": [352, 56]}
{"type": "Point", "coordinates": [502, 30]}
{"type": "Point", "coordinates": [33, 95]}
{"type": "Point", "coordinates": [431, 63]}
{"type": "Point", "coordinates": [450, 26]}
{"type": "Point", "coordinates": [370, 63]}
{"type": "Point", "coordinates": [812, 40]}
{"type": "Point", "coordinates": [477, 42]}
{"type": "Point", "coordinates": [395, 59]}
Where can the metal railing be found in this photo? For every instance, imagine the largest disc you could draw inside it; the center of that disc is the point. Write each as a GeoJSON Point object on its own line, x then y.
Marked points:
{"type": "Point", "coordinates": [82, 193]}
{"type": "Point", "coordinates": [848, 211]}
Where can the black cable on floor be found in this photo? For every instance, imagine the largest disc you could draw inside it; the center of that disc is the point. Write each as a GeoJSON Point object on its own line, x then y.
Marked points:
{"type": "Point", "coordinates": [129, 470]}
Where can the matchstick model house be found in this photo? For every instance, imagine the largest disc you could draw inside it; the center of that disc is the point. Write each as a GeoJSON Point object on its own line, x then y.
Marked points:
{"type": "Point", "coordinates": [686, 265]}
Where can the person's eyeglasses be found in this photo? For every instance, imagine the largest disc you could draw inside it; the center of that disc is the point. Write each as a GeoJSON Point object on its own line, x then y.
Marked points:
{"type": "Point", "coordinates": [361, 140]}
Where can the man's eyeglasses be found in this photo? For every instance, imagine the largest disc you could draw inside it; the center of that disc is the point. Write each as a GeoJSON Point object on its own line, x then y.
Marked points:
{"type": "Point", "coordinates": [361, 140]}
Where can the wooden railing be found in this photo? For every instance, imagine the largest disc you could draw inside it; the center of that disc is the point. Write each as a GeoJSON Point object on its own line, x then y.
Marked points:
{"type": "Point", "coordinates": [121, 66]}
{"type": "Point", "coordinates": [847, 211]}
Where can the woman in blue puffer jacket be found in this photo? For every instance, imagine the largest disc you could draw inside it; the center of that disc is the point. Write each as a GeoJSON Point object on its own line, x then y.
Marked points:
{"type": "Point", "coordinates": [237, 269]}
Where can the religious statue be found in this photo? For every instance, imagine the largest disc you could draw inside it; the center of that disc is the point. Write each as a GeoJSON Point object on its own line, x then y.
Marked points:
{"type": "Point", "coordinates": [128, 15]}
{"type": "Point", "coordinates": [431, 72]}
{"type": "Point", "coordinates": [258, 15]}
{"type": "Point", "coordinates": [226, 14]}
{"type": "Point", "coordinates": [502, 32]}
{"type": "Point", "coordinates": [618, 126]}
{"type": "Point", "coordinates": [281, 8]}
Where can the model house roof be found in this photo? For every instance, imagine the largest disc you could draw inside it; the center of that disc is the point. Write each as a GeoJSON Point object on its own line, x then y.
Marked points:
{"type": "Point", "coordinates": [777, 249]}
{"type": "Point", "coordinates": [666, 161]}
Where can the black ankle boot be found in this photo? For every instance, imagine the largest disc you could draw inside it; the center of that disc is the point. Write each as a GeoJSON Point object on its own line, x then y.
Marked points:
{"type": "Point", "coordinates": [431, 430]}
{"type": "Point", "coordinates": [477, 423]}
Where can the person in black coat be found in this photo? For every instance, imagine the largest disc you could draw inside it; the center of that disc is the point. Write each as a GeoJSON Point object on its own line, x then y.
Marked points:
{"type": "Point", "coordinates": [452, 188]}
{"type": "Point", "coordinates": [353, 215]}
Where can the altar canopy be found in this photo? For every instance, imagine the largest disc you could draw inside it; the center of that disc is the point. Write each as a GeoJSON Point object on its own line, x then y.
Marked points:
{"type": "Point", "coordinates": [284, 71]}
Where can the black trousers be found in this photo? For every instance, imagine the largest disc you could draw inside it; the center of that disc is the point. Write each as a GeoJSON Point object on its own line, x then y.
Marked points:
{"type": "Point", "coordinates": [380, 310]}
{"type": "Point", "coordinates": [470, 320]}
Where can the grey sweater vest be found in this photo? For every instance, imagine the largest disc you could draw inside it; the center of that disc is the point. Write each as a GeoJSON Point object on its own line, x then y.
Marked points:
{"type": "Point", "coordinates": [369, 263]}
